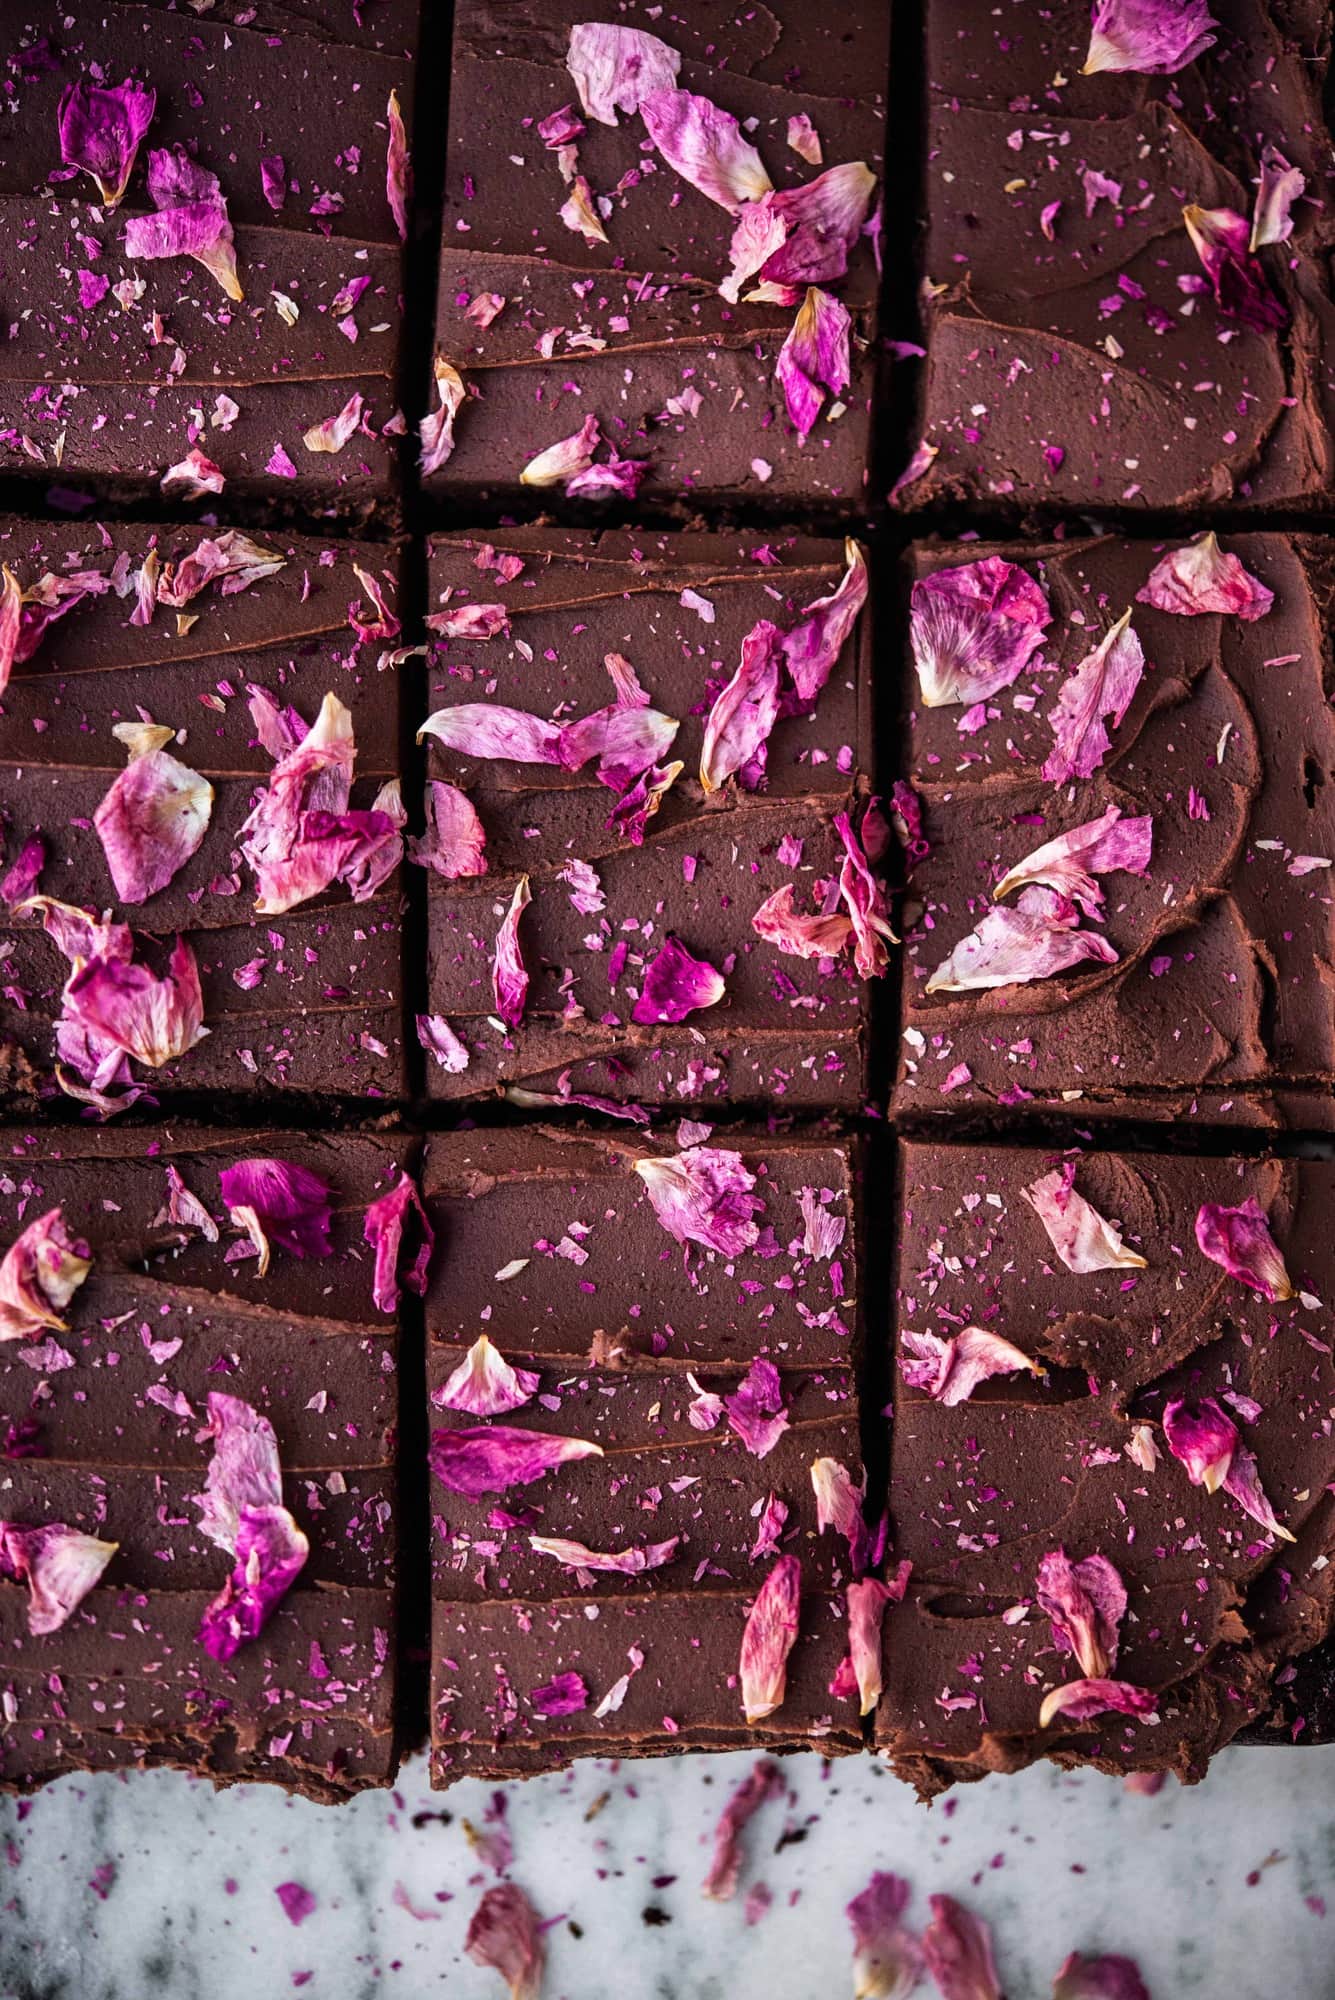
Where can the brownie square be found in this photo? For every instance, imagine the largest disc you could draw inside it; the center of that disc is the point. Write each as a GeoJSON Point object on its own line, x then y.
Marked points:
{"type": "Point", "coordinates": [1076, 352]}
{"type": "Point", "coordinates": [117, 367]}
{"type": "Point", "coordinates": [983, 1489]}
{"type": "Point", "coordinates": [308, 1002]}
{"type": "Point", "coordinates": [1216, 1005]}
{"type": "Point", "coordinates": [622, 319]}
{"type": "Point", "coordinates": [633, 1342]}
{"type": "Point", "coordinates": [101, 1422]}
{"type": "Point", "coordinates": [678, 608]}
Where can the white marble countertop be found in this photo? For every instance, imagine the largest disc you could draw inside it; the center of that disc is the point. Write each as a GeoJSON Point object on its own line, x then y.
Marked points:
{"type": "Point", "coordinates": [152, 1885]}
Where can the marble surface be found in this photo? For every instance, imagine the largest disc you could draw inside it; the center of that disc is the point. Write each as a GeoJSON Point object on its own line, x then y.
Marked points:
{"type": "Point", "coordinates": [122, 1889]}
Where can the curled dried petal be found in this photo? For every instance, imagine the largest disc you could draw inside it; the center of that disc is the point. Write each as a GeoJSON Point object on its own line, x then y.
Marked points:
{"type": "Point", "coordinates": [958, 1949]}
{"type": "Point", "coordinates": [1086, 1602]}
{"type": "Point", "coordinates": [1080, 1701]}
{"type": "Point", "coordinates": [1108, 1977]}
{"type": "Point", "coordinates": [765, 1782]}
{"type": "Point", "coordinates": [59, 1564]}
{"type": "Point", "coordinates": [41, 1271]}
{"type": "Point", "coordinates": [800, 936]}
{"type": "Point", "coordinates": [615, 69]}
{"type": "Point", "coordinates": [490, 729]}
{"type": "Point", "coordinates": [279, 1202]}
{"type": "Point", "coordinates": [811, 646]}
{"type": "Point", "coordinates": [677, 984]}
{"type": "Point", "coordinates": [100, 132]}
{"type": "Point", "coordinates": [1101, 686]}
{"type": "Point", "coordinates": [824, 219]}
{"type": "Point", "coordinates": [191, 219]}
{"type": "Point", "coordinates": [509, 974]}
{"type": "Point", "coordinates": [974, 629]}
{"type": "Point", "coordinates": [755, 1409]}
{"type": "Point", "coordinates": [1222, 241]}
{"type": "Point", "coordinates": [398, 168]}
{"type": "Point", "coordinates": [950, 1370]}
{"type": "Point", "coordinates": [704, 144]}
{"type": "Point", "coordinates": [504, 1934]}
{"type": "Point", "coordinates": [888, 1960]}
{"type": "Point", "coordinates": [150, 822]}
{"type": "Point", "coordinates": [454, 844]}
{"type": "Point", "coordinates": [383, 1228]}
{"type": "Point", "coordinates": [1082, 1238]}
{"type": "Point", "coordinates": [703, 1195]}
{"type": "Point", "coordinates": [624, 1562]}
{"type": "Point", "coordinates": [1069, 863]}
{"type": "Point", "coordinates": [814, 358]}
{"type": "Point", "coordinates": [1150, 37]}
{"type": "Point", "coordinates": [739, 723]}
{"type": "Point", "coordinates": [1279, 187]}
{"type": "Point", "coordinates": [564, 459]}
{"type": "Point", "coordinates": [1009, 947]}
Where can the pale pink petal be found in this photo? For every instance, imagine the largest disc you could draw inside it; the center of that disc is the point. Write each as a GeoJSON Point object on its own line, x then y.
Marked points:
{"type": "Point", "coordinates": [439, 1040]}
{"type": "Point", "coordinates": [755, 1409]}
{"type": "Point", "coordinates": [950, 1370]}
{"type": "Point", "coordinates": [760, 231]}
{"type": "Point", "coordinates": [814, 358]}
{"type": "Point", "coordinates": [800, 936]}
{"type": "Point", "coordinates": [1071, 862]}
{"type": "Point", "coordinates": [333, 432]}
{"type": "Point", "coordinates": [489, 729]}
{"type": "Point", "coordinates": [1202, 577]}
{"type": "Point", "coordinates": [676, 984]}
{"type": "Point", "coordinates": [566, 458]}
{"type": "Point", "coordinates": [624, 1562]}
{"type": "Point", "coordinates": [1012, 947]}
{"type": "Point", "coordinates": [1279, 187]}
{"type": "Point", "coordinates": [493, 1458]}
{"type": "Point", "coordinates": [888, 1961]}
{"type": "Point", "coordinates": [454, 844]}
{"type": "Point", "coordinates": [243, 1471]}
{"type": "Point", "coordinates": [958, 1949]}
{"type": "Point", "coordinates": [485, 1385]}
{"type": "Point", "coordinates": [437, 428]}
{"type": "Point", "coordinates": [863, 897]}
{"type": "Point", "coordinates": [703, 1195]}
{"type": "Point", "coordinates": [273, 181]}
{"type": "Point", "coordinates": [382, 1229]}
{"type": "Point", "coordinates": [764, 1783]}
{"type": "Point", "coordinates": [1151, 37]}
{"type": "Point", "coordinates": [398, 169]}
{"type": "Point", "coordinates": [60, 1565]}
{"type": "Point", "coordinates": [704, 1412]}
{"type": "Point", "coordinates": [184, 1210]}
{"type": "Point", "coordinates": [1081, 1701]}
{"type": "Point", "coordinates": [470, 621]}
{"type": "Point", "coordinates": [151, 821]}
{"type": "Point", "coordinates": [100, 132]}
{"type": "Point", "coordinates": [615, 69]}
{"type": "Point", "coordinates": [509, 975]}
{"type": "Point", "coordinates": [824, 220]}
{"type": "Point", "coordinates": [974, 629]}
{"type": "Point", "coordinates": [1239, 1241]}
{"type": "Point", "coordinates": [804, 140]}
{"type": "Point", "coordinates": [1086, 1602]}
{"type": "Point", "coordinates": [771, 1631]}
{"type": "Point", "coordinates": [231, 560]}
{"type": "Point", "coordinates": [867, 1600]}
{"type": "Point", "coordinates": [504, 1933]}
{"type": "Point", "coordinates": [1108, 1977]}
{"type": "Point", "coordinates": [1221, 239]}
{"type": "Point", "coordinates": [738, 725]}
{"type": "Point", "coordinates": [41, 1271]}
{"type": "Point", "coordinates": [1242, 1482]}
{"type": "Point", "coordinates": [705, 145]}
{"type": "Point", "coordinates": [381, 622]}
{"type": "Point", "coordinates": [811, 646]}
{"type": "Point", "coordinates": [619, 479]}
{"type": "Point", "coordinates": [193, 477]}
{"type": "Point", "coordinates": [11, 623]}
{"type": "Point", "coordinates": [1081, 1237]}
{"type": "Point", "coordinates": [1101, 686]}
{"type": "Point", "coordinates": [839, 1503]}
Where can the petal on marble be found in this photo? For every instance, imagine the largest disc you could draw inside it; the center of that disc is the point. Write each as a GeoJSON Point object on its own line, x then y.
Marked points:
{"type": "Point", "coordinates": [504, 1933]}
{"type": "Point", "coordinates": [958, 1949]}
{"type": "Point", "coordinates": [1107, 1977]}
{"type": "Point", "coordinates": [765, 1782]}
{"type": "Point", "coordinates": [888, 1961]}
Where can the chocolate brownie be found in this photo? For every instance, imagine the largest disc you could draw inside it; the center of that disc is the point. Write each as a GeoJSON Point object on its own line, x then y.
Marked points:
{"type": "Point", "coordinates": [128, 354]}
{"type": "Point", "coordinates": [539, 633]}
{"type": "Point", "coordinates": [236, 644]}
{"type": "Point", "coordinates": [708, 1380]}
{"type": "Point", "coordinates": [581, 270]}
{"type": "Point", "coordinates": [105, 1415]}
{"type": "Point", "coordinates": [1080, 349]}
{"type": "Point", "coordinates": [1195, 958]}
{"type": "Point", "coordinates": [1152, 1293]}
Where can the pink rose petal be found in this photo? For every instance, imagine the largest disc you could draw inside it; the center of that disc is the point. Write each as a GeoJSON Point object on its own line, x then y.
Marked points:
{"type": "Point", "coordinates": [1081, 1237]}
{"type": "Point", "coordinates": [564, 1694]}
{"type": "Point", "coordinates": [41, 1271]}
{"type": "Point", "coordinates": [485, 1385]}
{"type": "Point", "coordinates": [1081, 1701]}
{"type": "Point", "coordinates": [191, 219]}
{"type": "Point", "coordinates": [624, 1562]}
{"type": "Point", "coordinates": [1086, 1602]}
{"type": "Point", "coordinates": [958, 1951]}
{"type": "Point", "coordinates": [504, 1933]}
{"type": "Point", "coordinates": [811, 646]}
{"type": "Point", "coordinates": [800, 936]}
{"type": "Point", "coordinates": [974, 629]}
{"type": "Point", "coordinates": [1151, 37]}
{"type": "Point", "coordinates": [704, 144]}
{"type": "Point", "coordinates": [1279, 187]}
{"type": "Point", "coordinates": [454, 844]}
{"type": "Point", "coordinates": [193, 477]}
{"type": "Point", "coordinates": [888, 1961]}
{"type": "Point", "coordinates": [814, 358]}
{"type": "Point", "coordinates": [764, 1783]}
{"type": "Point", "coordinates": [279, 1202]}
{"type": "Point", "coordinates": [333, 433]}
{"type": "Point", "coordinates": [824, 219]}
{"type": "Point", "coordinates": [755, 1410]}
{"type": "Point", "coordinates": [950, 1370]}
{"type": "Point", "coordinates": [382, 1229]}
{"type": "Point", "coordinates": [1101, 686]}
{"type": "Point", "coordinates": [1011, 947]}
{"type": "Point", "coordinates": [152, 819]}
{"type": "Point", "coordinates": [565, 459]}
{"type": "Point", "coordinates": [437, 428]}
{"type": "Point", "coordinates": [489, 729]}
{"type": "Point", "coordinates": [439, 1040]}
{"type": "Point", "coordinates": [398, 169]}
{"type": "Point", "coordinates": [1203, 578]}
{"type": "Point", "coordinates": [864, 898]}
{"type": "Point", "coordinates": [1070, 863]}
{"type": "Point", "coordinates": [60, 1565]}
{"type": "Point", "coordinates": [738, 725]}
{"type": "Point", "coordinates": [615, 69]}
{"type": "Point", "coordinates": [1239, 1241]}
{"type": "Point", "coordinates": [769, 1637]}
{"type": "Point", "coordinates": [703, 1195]}
{"type": "Point", "coordinates": [494, 1458]}
{"type": "Point", "coordinates": [676, 984]}
{"type": "Point", "coordinates": [509, 975]}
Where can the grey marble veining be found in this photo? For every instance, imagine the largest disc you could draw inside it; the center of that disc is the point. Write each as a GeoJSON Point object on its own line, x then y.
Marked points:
{"type": "Point", "coordinates": [155, 1888]}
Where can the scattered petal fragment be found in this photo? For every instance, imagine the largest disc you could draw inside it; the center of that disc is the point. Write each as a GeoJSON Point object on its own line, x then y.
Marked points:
{"type": "Point", "coordinates": [950, 1370]}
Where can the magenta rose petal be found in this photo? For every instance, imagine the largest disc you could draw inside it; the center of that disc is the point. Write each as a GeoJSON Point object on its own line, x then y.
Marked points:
{"type": "Point", "coordinates": [1081, 1701]}
{"type": "Point", "coordinates": [454, 844]}
{"type": "Point", "coordinates": [494, 1458]}
{"type": "Point", "coordinates": [814, 359]}
{"type": "Point", "coordinates": [1239, 1241]}
{"type": "Point", "coordinates": [703, 1195]}
{"type": "Point", "coordinates": [1149, 37]}
{"type": "Point", "coordinates": [888, 1961]}
{"type": "Point", "coordinates": [279, 1202]}
{"type": "Point", "coordinates": [383, 1228]}
{"type": "Point", "coordinates": [508, 971]}
{"type": "Point", "coordinates": [958, 1949]}
{"type": "Point", "coordinates": [1071, 862]}
{"type": "Point", "coordinates": [677, 984]}
{"type": "Point", "coordinates": [398, 169]}
{"type": "Point", "coordinates": [1100, 687]}
{"type": "Point", "coordinates": [755, 1410]}
{"type": "Point", "coordinates": [704, 144]}
{"type": "Point", "coordinates": [1202, 578]}
{"type": "Point", "coordinates": [823, 220]}
{"type": "Point", "coordinates": [950, 1370]}
{"type": "Point", "coordinates": [101, 130]}
{"type": "Point", "coordinates": [1086, 1602]}
{"type": "Point", "coordinates": [1221, 239]}
{"type": "Point", "coordinates": [738, 725]}
{"type": "Point", "coordinates": [811, 646]}
{"type": "Point", "coordinates": [974, 629]}
{"type": "Point", "coordinates": [485, 1385]}
{"type": "Point", "coordinates": [191, 219]}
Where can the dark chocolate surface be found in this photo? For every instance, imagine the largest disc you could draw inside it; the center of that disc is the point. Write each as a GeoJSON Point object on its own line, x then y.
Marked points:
{"type": "Point", "coordinates": [785, 1030]}
{"type": "Point", "coordinates": [1219, 1004]}
{"type": "Point", "coordinates": [325, 1014]}
{"type": "Point", "coordinates": [617, 329]}
{"type": "Point", "coordinates": [117, 394]}
{"type": "Point", "coordinates": [982, 1490]}
{"type": "Point", "coordinates": [103, 1422]}
{"type": "Point", "coordinates": [1076, 369]}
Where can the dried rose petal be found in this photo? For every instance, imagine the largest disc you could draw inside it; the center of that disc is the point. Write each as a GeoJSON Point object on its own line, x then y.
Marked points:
{"type": "Point", "coordinates": [1070, 863]}
{"type": "Point", "coordinates": [773, 1519]}
{"type": "Point", "coordinates": [950, 1370]}
{"type": "Point", "coordinates": [11, 623]}
{"type": "Point", "coordinates": [839, 1501]}
{"type": "Point", "coordinates": [1202, 578]}
{"type": "Point", "coordinates": [1109, 1977]}
{"type": "Point", "coordinates": [864, 899]}
{"type": "Point", "coordinates": [100, 132]}
{"type": "Point", "coordinates": [704, 144]}
{"type": "Point", "coordinates": [578, 213]}
{"type": "Point", "coordinates": [437, 428]}
{"type": "Point", "coordinates": [958, 1949]}
{"type": "Point", "coordinates": [566, 458]}
{"type": "Point", "coordinates": [193, 477]}
{"type": "Point", "coordinates": [184, 1210]}
{"type": "Point", "coordinates": [760, 231]}
{"type": "Point", "coordinates": [564, 1694]}
{"type": "Point", "coordinates": [703, 1195]}
{"type": "Point", "coordinates": [454, 843]}
{"type": "Point", "coordinates": [1081, 1237]}
{"type": "Point", "coordinates": [801, 937]}
{"type": "Point", "coordinates": [888, 1960]}
{"type": "Point", "coordinates": [241, 1511]}
{"type": "Point", "coordinates": [1279, 187]}
{"type": "Point", "coordinates": [382, 623]}
{"type": "Point", "coordinates": [60, 1565]}
{"type": "Point", "coordinates": [1151, 37]}
{"type": "Point", "coordinates": [824, 219]}
{"type": "Point", "coordinates": [489, 729]}
{"type": "Point", "coordinates": [1239, 1241]}
{"type": "Point", "coordinates": [1102, 685]}
{"type": "Point", "coordinates": [1086, 1602]}
{"type": "Point", "coordinates": [764, 1783]}
{"type": "Point", "coordinates": [231, 560]}
{"type": "Point", "coordinates": [398, 168]}
{"type": "Point", "coordinates": [1242, 1482]}
{"type": "Point", "coordinates": [867, 1600]}
{"type": "Point", "coordinates": [738, 725]}
{"type": "Point", "coordinates": [676, 984]}
{"type": "Point", "coordinates": [771, 1630]}
{"type": "Point", "coordinates": [624, 1562]}
{"type": "Point", "coordinates": [755, 1408]}
{"type": "Point", "coordinates": [811, 646]}
{"type": "Point", "coordinates": [509, 975]}
{"type": "Point", "coordinates": [1221, 239]}
{"type": "Point", "coordinates": [614, 69]}
{"type": "Point", "coordinates": [243, 1472]}
{"type": "Point", "coordinates": [1011, 947]}
{"type": "Point", "coordinates": [439, 1040]}
{"type": "Point", "coordinates": [626, 738]}
{"type": "Point", "coordinates": [191, 219]}
{"type": "Point", "coordinates": [1204, 1441]}
{"type": "Point", "coordinates": [42, 1270]}
{"type": "Point", "coordinates": [300, 839]}
{"type": "Point", "coordinates": [620, 479]}
{"type": "Point", "coordinates": [504, 1934]}
{"type": "Point", "coordinates": [470, 621]}
{"type": "Point", "coordinates": [485, 1385]}
{"type": "Point", "coordinates": [973, 629]}
{"type": "Point", "coordinates": [494, 1458]}
{"type": "Point", "coordinates": [814, 358]}
{"type": "Point", "coordinates": [1080, 1701]}
{"type": "Point", "coordinates": [124, 1005]}
{"type": "Point", "coordinates": [333, 433]}
{"type": "Point", "coordinates": [382, 1228]}
{"type": "Point", "coordinates": [153, 818]}
{"type": "Point", "coordinates": [279, 1202]}
{"type": "Point", "coordinates": [804, 139]}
